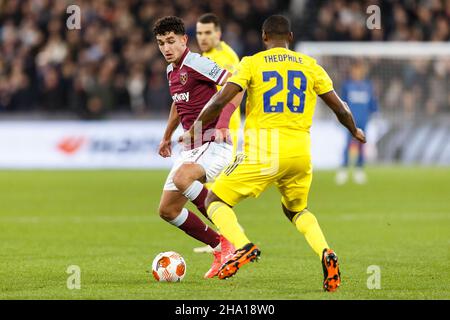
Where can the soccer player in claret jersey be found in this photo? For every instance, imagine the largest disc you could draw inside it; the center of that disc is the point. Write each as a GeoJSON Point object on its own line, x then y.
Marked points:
{"type": "Point", "coordinates": [282, 87]}
{"type": "Point", "coordinates": [192, 82]}
{"type": "Point", "coordinates": [208, 38]}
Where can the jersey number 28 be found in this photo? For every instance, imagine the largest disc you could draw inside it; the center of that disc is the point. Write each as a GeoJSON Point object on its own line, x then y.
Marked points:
{"type": "Point", "coordinates": [292, 91]}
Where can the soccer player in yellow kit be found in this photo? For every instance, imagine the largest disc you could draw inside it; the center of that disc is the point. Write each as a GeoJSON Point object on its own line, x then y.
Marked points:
{"type": "Point", "coordinates": [208, 37]}
{"type": "Point", "coordinates": [282, 88]}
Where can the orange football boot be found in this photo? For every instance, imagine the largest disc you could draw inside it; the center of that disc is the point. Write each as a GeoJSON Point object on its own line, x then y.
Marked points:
{"type": "Point", "coordinates": [331, 273]}
{"type": "Point", "coordinates": [248, 253]}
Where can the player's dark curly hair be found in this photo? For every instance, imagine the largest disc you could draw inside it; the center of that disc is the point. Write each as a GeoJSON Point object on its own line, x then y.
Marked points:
{"type": "Point", "coordinates": [168, 24]}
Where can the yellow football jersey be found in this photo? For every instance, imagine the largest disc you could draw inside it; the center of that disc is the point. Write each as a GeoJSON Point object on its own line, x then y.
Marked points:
{"type": "Point", "coordinates": [226, 58]}
{"type": "Point", "coordinates": [282, 87]}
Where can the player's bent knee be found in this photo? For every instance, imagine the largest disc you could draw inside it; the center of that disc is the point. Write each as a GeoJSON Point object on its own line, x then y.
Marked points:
{"type": "Point", "coordinates": [212, 203]}
{"type": "Point", "coordinates": [181, 181]}
{"type": "Point", "coordinates": [210, 198]}
{"type": "Point", "coordinates": [167, 213]}
{"type": "Point", "coordinates": [293, 215]}
{"type": "Point", "coordinates": [186, 175]}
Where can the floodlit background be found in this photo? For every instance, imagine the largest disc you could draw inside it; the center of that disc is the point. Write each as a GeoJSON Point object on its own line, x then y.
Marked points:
{"type": "Point", "coordinates": [111, 71]}
{"type": "Point", "coordinates": [97, 98]}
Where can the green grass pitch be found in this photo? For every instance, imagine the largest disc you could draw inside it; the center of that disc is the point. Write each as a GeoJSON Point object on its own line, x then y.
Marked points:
{"type": "Point", "coordinates": [106, 222]}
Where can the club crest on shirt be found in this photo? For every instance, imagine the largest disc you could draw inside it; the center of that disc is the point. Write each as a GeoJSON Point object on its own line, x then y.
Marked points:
{"type": "Point", "coordinates": [183, 78]}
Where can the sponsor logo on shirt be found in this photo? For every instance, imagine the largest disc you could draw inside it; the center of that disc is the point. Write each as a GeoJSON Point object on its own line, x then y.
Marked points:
{"type": "Point", "coordinates": [184, 96]}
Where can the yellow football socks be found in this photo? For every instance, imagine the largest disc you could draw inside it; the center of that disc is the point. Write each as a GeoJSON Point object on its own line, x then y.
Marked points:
{"type": "Point", "coordinates": [307, 224]}
{"type": "Point", "coordinates": [225, 220]}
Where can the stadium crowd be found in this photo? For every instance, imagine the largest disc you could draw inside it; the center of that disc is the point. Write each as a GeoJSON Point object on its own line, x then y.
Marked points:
{"type": "Point", "coordinates": [113, 63]}
{"type": "Point", "coordinates": [413, 86]}
{"type": "Point", "coordinates": [405, 20]}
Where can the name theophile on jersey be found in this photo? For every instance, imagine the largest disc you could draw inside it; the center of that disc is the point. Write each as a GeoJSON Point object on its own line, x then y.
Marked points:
{"type": "Point", "coordinates": [281, 58]}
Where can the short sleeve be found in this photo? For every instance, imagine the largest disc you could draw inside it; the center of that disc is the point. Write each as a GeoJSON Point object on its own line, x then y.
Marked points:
{"type": "Point", "coordinates": [207, 69]}
{"type": "Point", "coordinates": [242, 75]}
{"type": "Point", "coordinates": [323, 82]}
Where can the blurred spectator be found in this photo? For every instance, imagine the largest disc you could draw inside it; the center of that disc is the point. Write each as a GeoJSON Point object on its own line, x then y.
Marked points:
{"type": "Point", "coordinates": [52, 94]}
{"type": "Point", "coordinates": [136, 87]}
{"type": "Point", "coordinates": [157, 96]}
{"type": "Point", "coordinates": [404, 20]}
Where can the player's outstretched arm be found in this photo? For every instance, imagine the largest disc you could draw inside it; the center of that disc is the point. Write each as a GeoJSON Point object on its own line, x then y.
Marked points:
{"type": "Point", "coordinates": [165, 146]}
{"type": "Point", "coordinates": [343, 113]}
{"type": "Point", "coordinates": [228, 110]}
{"type": "Point", "coordinates": [215, 105]}
{"type": "Point", "coordinates": [213, 108]}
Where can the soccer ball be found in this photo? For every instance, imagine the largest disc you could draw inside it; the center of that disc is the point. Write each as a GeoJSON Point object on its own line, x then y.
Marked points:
{"type": "Point", "coordinates": [168, 267]}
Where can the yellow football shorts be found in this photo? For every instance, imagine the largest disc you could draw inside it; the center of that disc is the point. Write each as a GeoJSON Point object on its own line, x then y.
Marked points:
{"type": "Point", "coordinates": [244, 178]}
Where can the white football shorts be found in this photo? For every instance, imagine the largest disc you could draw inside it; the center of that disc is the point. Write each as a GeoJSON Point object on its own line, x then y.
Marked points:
{"type": "Point", "coordinates": [212, 156]}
